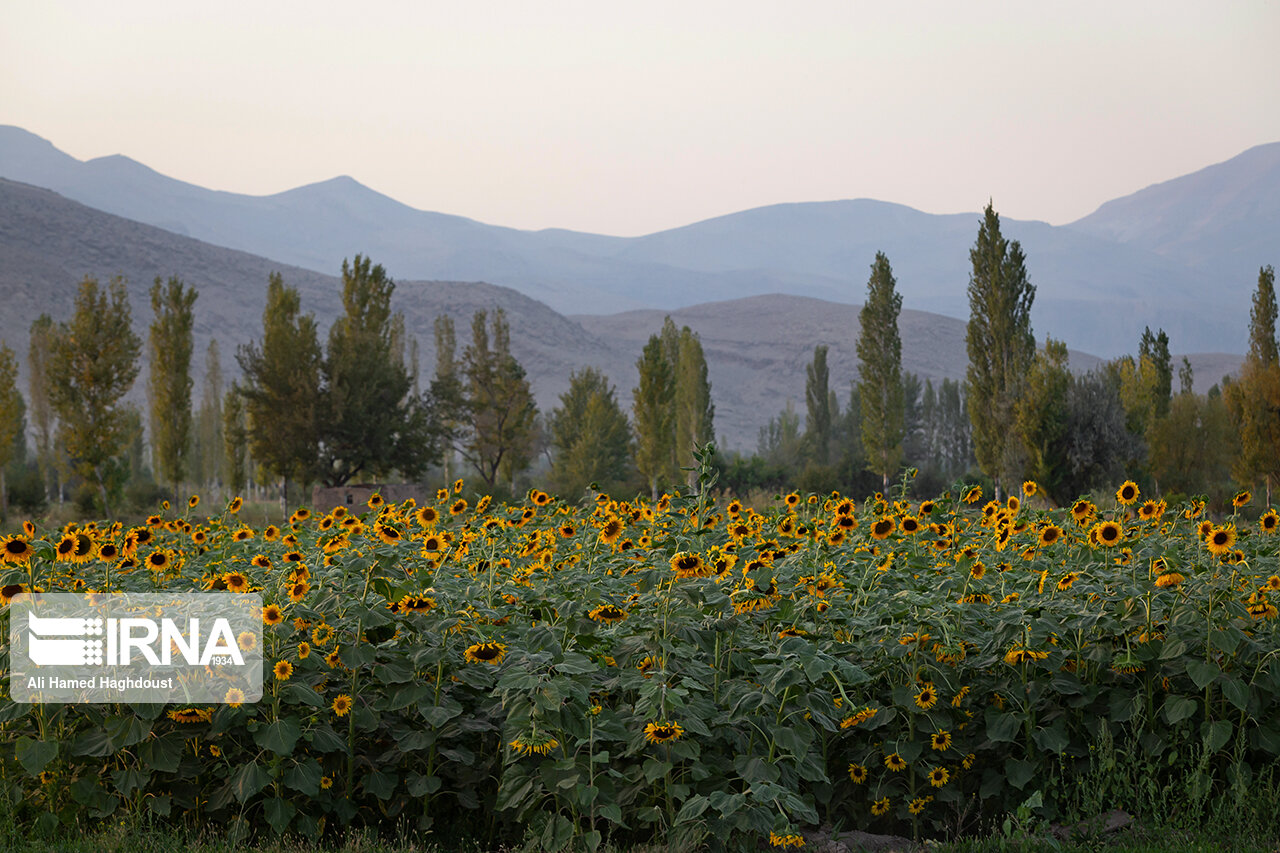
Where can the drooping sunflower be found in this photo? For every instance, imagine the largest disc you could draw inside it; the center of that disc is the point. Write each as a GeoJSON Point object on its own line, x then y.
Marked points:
{"type": "Point", "coordinates": [341, 705]}
{"type": "Point", "coordinates": [858, 717]}
{"type": "Point", "coordinates": [1242, 498]}
{"type": "Point", "coordinates": [1068, 580]}
{"type": "Point", "coordinates": [1169, 579]}
{"type": "Point", "coordinates": [490, 653]}
{"type": "Point", "coordinates": [661, 731]}
{"type": "Point", "coordinates": [687, 564]}
{"type": "Point", "coordinates": [533, 744]}
{"type": "Point", "coordinates": [417, 604]}
{"type": "Point", "coordinates": [304, 650]}
{"type": "Point", "coordinates": [388, 534]}
{"type": "Point", "coordinates": [191, 715]}
{"type": "Point", "coordinates": [235, 505]}
{"type": "Point", "coordinates": [895, 762]}
{"type": "Point", "coordinates": [973, 495]}
{"type": "Point", "coordinates": [608, 614]}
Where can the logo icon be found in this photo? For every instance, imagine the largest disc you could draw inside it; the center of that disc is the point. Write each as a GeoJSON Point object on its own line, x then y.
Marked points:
{"type": "Point", "coordinates": [55, 641]}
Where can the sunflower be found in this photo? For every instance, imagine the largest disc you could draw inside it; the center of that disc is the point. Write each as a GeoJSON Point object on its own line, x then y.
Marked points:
{"type": "Point", "coordinates": [533, 744]}
{"type": "Point", "coordinates": [882, 528]}
{"type": "Point", "coordinates": [191, 715]}
{"type": "Point", "coordinates": [236, 582]}
{"type": "Point", "coordinates": [858, 773]}
{"type": "Point", "coordinates": [235, 505]}
{"type": "Point", "coordinates": [917, 805]}
{"type": "Point", "coordinates": [459, 507]}
{"type": "Point", "coordinates": [909, 525]}
{"type": "Point", "coordinates": [858, 718]}
{"type": "Point", "coordinates": [880, 807]}
{"type": "Point", "coordinates": [1242, 498]}
{"type": "Point", "coordinates": [541, 498]}
{"type": "Point", "coordinates": [417, 604]}
{"type": "Point", "coordinates": [242, 535]}
{"type": "Point", "coordinates": [1049, 534]}
{"type": "Point", "coordinates": [1269, 521]}
{"type": "Point", "coordinates": [1068, 580]}
{"type": "Point", "coordinates": [108, 551]}
{"type": "Point", "coordinates": [1169, 579]}
{"type": "Point", "coordinates": [611, 530]}
{"type": "Point", "coordinates": [1029, 489]}
{"type": "Point", "coordinates": [65, 548]}
{"type": "Point", "coordinates": [321, 635]}
{"type": "Point", "coordinates": [566, 530]}
{"type": "Point", "coordinates": [341, 705]}
{"type": "Point", "coordinates": [282, 670]}
{"type": "Point", "coordinates": [271, 533]}
{"type": "Point", "coordinates": [388, 534]}
{"type": "Point", "coordinates": [689, 565]}
{"type": "Point", "coordinates": [304, 650]}
{"type": "Point", "coordinates": [977, 570]}
{"type": "Point", "coordinates": [662, 732]}
{"type": "Point", "coordinates": [333, 659]}
{"type": "Point", "coordinates": [326, 782]}
{"type": "Point", "coordinates": [941, 741]}
{"type": "Point", "coordinates": [790, 839]}
{"type": "Point", "coordinates": [297, 590]}
{"type": "Point", "coordinates": [895, 762]}
{"type": "Point", "coordinates": [939, 776]}
{"type": "Point", "coordinates": [234, 697]}
{"type": "Point", "coordinates": [608, 614]}
{"type": "Point", "coordinates": [1221, 539]}
{"type": "Point", "coordinates": [927, 697]}
{"type": "Point", "coordinates": [1107, 533]}
{"type": "Point", "coordinates": [15, 549]}
{"type": "Point", "coordinates": [490, 653]}
{"type": "Point", "coordinates": [272, 615]}
{"type": "Point", "coordinates": [247, 641]}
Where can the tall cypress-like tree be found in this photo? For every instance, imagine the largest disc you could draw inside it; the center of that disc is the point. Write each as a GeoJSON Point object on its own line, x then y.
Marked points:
{"type": "Point", "coordinates": [93, 363]}
{"type": "Point", "coordinates": [1254, 399]}
{"type": "Point", "coordinates": [281, 390]}
{"type": "Point", "coordinates": [235, 439]}
{"type": "Point", "coordinates": [372, 423]}
{"type": "Point", "coordinates": [880, 371]}
{"type": "Point", "coordinates": [447, 392]}
{"type": "Point", "coordinates": [1001, 346]}
{"type": "Point", "coordinates": [500, 409]}
{"type": "Point", "coordinates": [43, 420]}
{"type": "Point", "coordinates": [817, 400]}
{"type": "Point", "coordinates": [169, 377]}
{"type": "Point", "coordinates": [12, 417]}
{"type": "Point", "coordinates": [209, 443]}
{"type": "Point", "coordinates": [694, 411]}
{"type": "Point", "coordinates": [654, 419]}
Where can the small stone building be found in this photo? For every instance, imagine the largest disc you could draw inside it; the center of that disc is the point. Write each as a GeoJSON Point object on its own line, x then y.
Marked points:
{"type": "Point", "coordinates": [356, 496]}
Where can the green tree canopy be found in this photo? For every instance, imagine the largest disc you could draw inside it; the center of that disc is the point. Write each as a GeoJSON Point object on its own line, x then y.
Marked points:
{"type": "Point", "coordinates": [590, 435]}
{"type": "Point", "coordinates": [500, 410]}
{"type": "Point", "coordinates": [880, 371]}
{"type": "Point", "coordinates": [169, 378]}
{"type": "Point", "coordinates": [654, 418]}
{"type": "Point", "coordinates": [93, 363]}
{"type": "Point", "coordinates": [13, 420]}
{"type": "Point", "coordinates": [1000, 345]}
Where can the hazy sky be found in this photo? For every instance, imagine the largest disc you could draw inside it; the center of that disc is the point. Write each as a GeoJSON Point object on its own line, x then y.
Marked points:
{"type": "Point", "coordinates": [627, 118]}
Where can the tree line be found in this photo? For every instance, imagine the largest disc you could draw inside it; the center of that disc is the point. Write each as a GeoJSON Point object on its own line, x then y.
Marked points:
{"type": "Point", "coordinates": [354, 409]}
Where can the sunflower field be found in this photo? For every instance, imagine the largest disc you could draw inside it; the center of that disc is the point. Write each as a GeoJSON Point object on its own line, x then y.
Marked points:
{"type": "Point", "coordinates": [686, 668]}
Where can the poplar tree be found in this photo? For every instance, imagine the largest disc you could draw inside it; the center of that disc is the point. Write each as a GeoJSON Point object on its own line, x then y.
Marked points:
{"type": "Point", "coordinates": [817, 399]}
{"type": "Point", "coordinates": [1041, 416]}
{"type": "Point", "coordinates": [500, 410]}
{"type": "Point", "coordinates": [235, 440]}
{"type": "Point", "coordinates": [281, 389]}
{"type": "Point", "coordinates": [447, 391]}
{"type": "Point", "coordinates": [651, 407]}
{"type": "Point", "coordinates": [209, 439]}
{"type": "Point", "coordinates": [591, 436]}
{"type": "Point", "coordinates": [371, 422]}
{"type": "Point", "coordinates": [1000, 345]}
{"type": "Point", "coordinates": [1254, 398]}
{"type": "Point", "coordinates": [694, 411]}
{"type": "Point", "coordinates": [43, 420]}
{"type": "Point", "coordinates": [93, 363]}
{"type": "Point", "coordinates": [880, 371]}
{"type": "Point", "coordinates": [12, 418]}
{"type": "Point", "coordinates": [169, 378]}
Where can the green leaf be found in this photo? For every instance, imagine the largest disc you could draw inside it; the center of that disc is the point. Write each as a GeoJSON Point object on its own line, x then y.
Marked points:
{"type": "Point", "coordinates": [95, 743]}
{"type": "Point", "coordinates": [1202, 672]}
{"type": "Point", "coordinates": [326, 740]}
{"type": "Point", "coordinates": [126, 731]}
{"type": "Point", "coordinates": [381, 784]}
{"type": "Point", "coordinates": [35, 755]}
{"type": "Point", "coordinates": [162, 754]}
{"type": "Point", "coordinates": [692, 808]}
{"type": "Point", "coordinates": [160, 804]}
{"type": "Point", "coordinates": [249, 780]}
{"type": "Point", "coordinates": [1178, 708]}
{"type": "Point", "coordinates": [1237, 693]}
{"type": "Point", "coordinates": [1052, 739]}
{"type": "Point", "coordinates": [298, 692]}
{"type": "Point", "coordinates": [1002, 728]}
{"type": "Point", "coordinates": [279, 737]}
{"type": "Point", "coordinates": [129, 780]}
{"type": "Point", "coordinates": [279, 812]}
{"type": "Point", "coordinates": [1216, 734]}
{"type": "Point", "coordinates": [1019, 772]}
{"type": "Point", "coordinates": [304, 777]}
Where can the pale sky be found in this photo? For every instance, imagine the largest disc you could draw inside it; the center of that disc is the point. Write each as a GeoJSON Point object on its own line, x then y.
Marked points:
{"type": "Point", "coordinates": [628, 118]}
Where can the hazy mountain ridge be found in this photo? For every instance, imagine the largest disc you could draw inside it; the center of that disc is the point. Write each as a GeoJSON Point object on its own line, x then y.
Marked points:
{"type": "Point", "coordinates": [757, 347]}
{"type": "Point", "coordinates": [1098, 284]}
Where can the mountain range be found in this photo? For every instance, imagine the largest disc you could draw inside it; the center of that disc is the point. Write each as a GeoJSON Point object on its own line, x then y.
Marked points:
{"type": "Point", "coordinates": [1182, 255]}
{"type": "Point", "coordinates": [761, 287]}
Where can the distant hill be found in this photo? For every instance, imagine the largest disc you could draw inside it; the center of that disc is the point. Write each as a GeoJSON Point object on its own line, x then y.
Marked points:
{"type": "Point", "coordinates": [1223, 220]}
{"type": "Point", "coordinates": [1099, 281]}
{"type": "Point", "coordinates": [757, 347]}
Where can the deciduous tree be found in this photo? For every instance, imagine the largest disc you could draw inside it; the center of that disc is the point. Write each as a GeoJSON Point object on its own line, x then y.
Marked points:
{"type": "Point", "coordinates": [591, 436]}
{"type": "Point", "coordinates": [169, 377]}
{"type": "Point", "coordinates": [12, 417]}
{"type": "Point", "coordinates": [880, 371]}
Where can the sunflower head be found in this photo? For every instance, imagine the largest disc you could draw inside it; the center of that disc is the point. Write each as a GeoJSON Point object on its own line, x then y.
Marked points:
{"type": "Point", "coordinates": [661, 731]}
